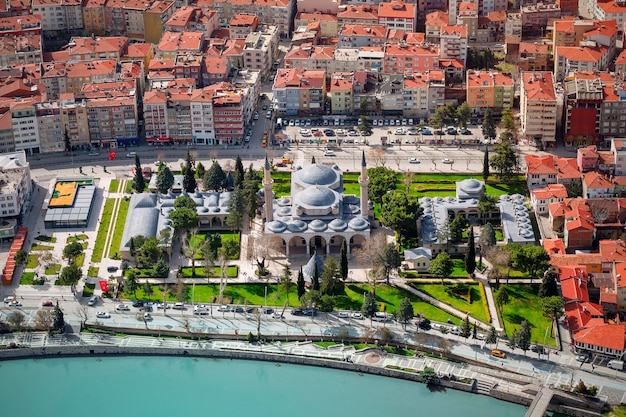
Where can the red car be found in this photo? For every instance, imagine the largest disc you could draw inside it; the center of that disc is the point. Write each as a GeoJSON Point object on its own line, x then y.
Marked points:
{"type": "Point", "coordinates": [46, 303]}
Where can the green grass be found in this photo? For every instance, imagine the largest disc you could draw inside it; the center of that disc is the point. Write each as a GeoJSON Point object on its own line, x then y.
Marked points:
{"type": "Point", "coordinates": [459, 268]}
{"type": "Point", "coordinates": [93, 271]}
{"type": "Point", "coordinates": [53, 269]}
{"type": "Point", "coordinates": [77, 238]}
{"type": "Point", "coordinates": [231, 271]}
{"type": "Point", "coordinates": [32, 262]}
{"type": "Point", "coordinates": [524, 304]}
{"type": "Point", "coordinates": [88, 290]}
{"type": "Point", "coordinates": [200, 238]}
{"type": "Point", "coordinates": [80, 260]}
{"type": "Point", "coordinates": [449, 295]}
{"type": "Point", "coordinates": [44, 238]}
{"type": "Point", "coordinates": [27, 278]}
{"type": "Point", "coordinates": [115, 184]}
{"type": "Point", "coordinates": [128, 187]}
{"type": "Point", "coordinates": [352, 188]}
{"type": "Point", "coordinates": [390, 298]}
{"type": "Point", "coordinates": [616, 411]}
{"type": "Point", "coordinates": [105, 221]}
{"type": "Point", "coordinates": [119, 227]}
{"type": "Point", "coordinates": [38, 247]}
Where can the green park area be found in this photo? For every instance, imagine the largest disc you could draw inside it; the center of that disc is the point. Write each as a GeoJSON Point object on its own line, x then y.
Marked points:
{"type": "Point", "coordinates": [467, 297]}
{"type": "Point", "coordinates": [105, 221]}
{"type": "Point", "coordinates": [525, 304]}
{"type": "Point", "coordinates": [217, 239]}
{"type": "Point", "coordinates": [118, 231]}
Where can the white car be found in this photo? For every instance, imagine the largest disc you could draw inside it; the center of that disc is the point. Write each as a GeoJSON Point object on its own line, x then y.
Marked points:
{"type": "Point", "coordinates": [122, 307]}
{"type": "Point", "coordinates": [357, 315]}
{"type": "Point", "coordinates": [447, 161]}
{"type": "Point", "coordinates": [247, 138]}
{"type": "Point", "coordinates": [399, 131]}
{"type": "Point", "coordinates": [414, 161]}
{"type": "Point", "coordinates": [329, 153]}
{"type": "Point", "coordinates": [305, 132]}
{"type": "Point", "coordinates": [9, 299]}
{"type": "Point", "coordinates": [256, 116]}
{"type": "Point", "coordinates": [341, 132]}
{"type": "Point", "coordinates": [147, 316]}
{"type": "Point", "coordinates": [343, 314]}
{"type": "Point", "coordinates": [277, 315]}
{"type": "Point", "coordinates": [15, 303]}
{"type": "Point", "coordinates": [103, 315]}
{"type": "Point", "coordinates": [131, 154]}
{"type": "Point", "coordinates": [222, 308]}
{"type": "Point", "coordinates": [93, 300]}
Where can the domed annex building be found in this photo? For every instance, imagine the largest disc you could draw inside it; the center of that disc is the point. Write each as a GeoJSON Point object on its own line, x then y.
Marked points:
{"type": "Point", "coordinates": [316, 217]}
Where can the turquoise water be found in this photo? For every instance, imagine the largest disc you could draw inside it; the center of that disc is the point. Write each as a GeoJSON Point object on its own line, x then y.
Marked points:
{"type": "Point", "coordinates": [181, 386]}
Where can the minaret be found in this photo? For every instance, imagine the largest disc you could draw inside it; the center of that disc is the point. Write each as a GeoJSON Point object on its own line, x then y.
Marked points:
{"type": "Point", "coordinates": [268, 184]}
{"type": "Point", "coordinates": [363, 184]}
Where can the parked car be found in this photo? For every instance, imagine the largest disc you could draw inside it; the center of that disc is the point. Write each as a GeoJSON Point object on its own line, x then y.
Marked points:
{"type": "Point", "coordinates": [465, 131]}
{"type": "Point", "coordinates": [343, 314]}
{"type": "Point", "coordinates": [357, 315]}
{"type": "Point", "coordinates": [297, 312]}
{"type": "Point", "coordinates": [94, 153]}
{"type": "Point", "coordinates": [9, 298]}
{"type": "Point", "coordinates": [582, 358]}
{"type": "Point", "coordinates": [103, 315]}
{"type": "Point", "coordinates": [329, 152]}
{"type": "Point", "coordinates": [447, 161]}
{"type": "Point", "coordinates": [93, 300]}
{"type": "Point", "coordinates": [15, 303]}
{"type": "Point", "coordinates": [46, 303]}
{"type": "Point", "coordinates": [414, 161]}
{"type": "Point", "coordinates": [147, 316]}
{"type": "Point", "coordinates": [137, 303]}
{"type": "Point", "coordinates": [131, 154]}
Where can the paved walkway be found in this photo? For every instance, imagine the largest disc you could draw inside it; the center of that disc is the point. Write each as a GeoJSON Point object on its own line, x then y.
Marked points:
{"type": "Point", "coordinates": [490, 300]}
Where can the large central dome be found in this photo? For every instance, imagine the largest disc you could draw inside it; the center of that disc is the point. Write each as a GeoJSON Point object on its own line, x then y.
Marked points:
{"type": "Point", "coordinates": [317, 196]}
{"type": "Point", "coordinates": [317, 175]}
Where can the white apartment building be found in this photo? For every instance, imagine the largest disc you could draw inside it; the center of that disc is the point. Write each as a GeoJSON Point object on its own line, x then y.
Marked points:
{"type": "Point", "coordinates": [260, 49]}
{"type": "Point", "coordinates": [25, 131]}
{"type": "Point", "coordinates": [58, 15]}
{"type": "Point", "coordinates": [202, 127]}
{"type": "Point", "coordinates": [17, 186]}
{"type": "Point", "coordinates": [51, 135]}
{"type": "Point", "coordinates": [538, 107]}
{"type": "Point", "coordinates": [423, 92]}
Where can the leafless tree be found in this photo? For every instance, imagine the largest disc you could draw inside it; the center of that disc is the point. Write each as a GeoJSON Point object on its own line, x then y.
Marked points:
{"type": "Point", "coordinates": [44, 319]}
{"type": "Point", "coordinates": [223, 261]}
{"type": "Point", "coordinates": [377, 156]}
{"type": "Point", "coordinates": [500, 258]}
{"type": "Point", "coordinates": [600, 212]}
{"type": "Point", "coordinates": [82, 311]}
{"type": "Point", "coordinates": [408, 181]}
{"type": "Point", "coordinates": [385, 336]}
{"type": "Point", "coordinates": [190, 250]}
{"type": "Point", "coordinates": [368, 336]}
{"type": "Point", "coordinates": [368, 255]}
{"type": "Point", "coordinates": [444, 345]}
{"type": "Point", "coordinates": [213, 156]}
{"type": "Point", "coordinates": [17, 320]}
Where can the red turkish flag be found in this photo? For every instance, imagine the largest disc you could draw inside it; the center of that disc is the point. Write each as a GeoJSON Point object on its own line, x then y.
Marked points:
{"type": "Point", "coordinates": [104, 286]}
{"type": "Point", "coordinates": [112, 155]}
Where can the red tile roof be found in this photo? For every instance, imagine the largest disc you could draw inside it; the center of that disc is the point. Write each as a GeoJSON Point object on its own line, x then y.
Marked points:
{"type": "Point", "coordinates": [551, 191]}
{"type": "Point", "coordinates": [606, 335]}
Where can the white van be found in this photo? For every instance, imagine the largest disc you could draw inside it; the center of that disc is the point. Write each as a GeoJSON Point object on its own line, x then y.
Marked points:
{"type": "Point", "coordinates": [615, 364]}
{"type": "Point", "coordinates": [179, 306]}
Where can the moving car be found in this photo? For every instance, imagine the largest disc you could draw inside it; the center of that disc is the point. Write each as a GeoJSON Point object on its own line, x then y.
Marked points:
{"type": "Point", "coordinates": [46, 303]}
{"type": "Point", "coordinates": [122, 307]}
{"type": "Point", "coordinates": [93, 300]}
{"type": "Point", "coordinates": [103, 315]}
{"type": "Point", "coordinates": [256, 116]}
{"type": "Point", "coordinates": [147, 316]}
{"type": "Point", "coordinates": [498, 353]}
{"type": "Point", "coordinates": [447, 161]}
{"type": "Point", "coordinates": [131, 154]}
{"type": "Point", "coordinates": [414, 161]}
{"type": "Point", "coordinates": [94, 153]}
{"type": "Point", "coordinates": [357, 315]}
{"type": "Point", "coordinates": [328, 152]}
{"type": "Point", "coordinates": [15, 303]}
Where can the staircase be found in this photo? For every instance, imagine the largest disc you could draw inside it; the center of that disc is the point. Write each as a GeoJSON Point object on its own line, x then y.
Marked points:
{"type": "Point", "coordinates": [484, 387]}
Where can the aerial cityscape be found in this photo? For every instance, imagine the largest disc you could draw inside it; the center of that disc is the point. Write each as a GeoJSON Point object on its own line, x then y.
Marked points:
{"type": "Point", "coordinates": [425, 190]}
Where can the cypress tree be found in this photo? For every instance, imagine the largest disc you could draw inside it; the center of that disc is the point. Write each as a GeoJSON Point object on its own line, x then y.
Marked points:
{"type": "Point", "coordinates": [343, 262]}
{"type": "Point", "coordinates": [300, 284]}
{"type": "Point", "coordinates": [486, 164]}
{"type": "Point", "coordinates": [470, 255]}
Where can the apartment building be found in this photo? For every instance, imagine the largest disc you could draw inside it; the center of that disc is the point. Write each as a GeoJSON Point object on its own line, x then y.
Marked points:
{"type": "Point", "coordinates": [59, 15]}
{"type": "Point", "coordinates": [468, 17]}
{"type": "Point", "coordinates": [125, 17]}
{"type": "Point", "coordinates": [7, 144]}
{"type": "Point", "coordinates": [610, 10]}
{"type": "Point", "coordinates": [299, 92]}
{"type": "Point", "coordinates": [534, 57]}
{"type": "Point", "coordinates": [73, 115]}
{"type": "Point", "coordinates": [434, 22]}
{"type": "Point", "coordinates": [357, 14]}
{"type": "Point", "coordinates": [229, 113]}
{"type": "Point", "coordinates": [357, 36]}
{"type": "Point", "coordinates": [17, 186]}
{"type": "Point", "coordinates": [93, 17]}
{"type": "Point", "coordinates": [24, 122]}
{"type": "Point", "coordinates": [112, 121]}
{"type": "Point", "coordinates": [156, 17]}
{"type": "Point", "coordinates": [423, 92]}
{"type": "Point", "coordinates": [453, 43]}
{"type": "Point", "coordinates": [189, 66]}
{"type": "Point", "coordinates": [20, 49]}
{"type": "Point", "coordinates": [270, 12]}
{"type": "Point", "coordinates": [404, 57]}
{"type": "Point", "coordinates": [329, 26]}
{"type": "Point", "coordinates": [618, 149]}
{"type": "Point", "coordinates": [513, 28]}
{"type": "Point", "coordinates": [192, 19]}
{"type": "Point", "coordinates": [241, 25]}
{"type": "Point", "coordinates": [202, 129]}
{"type": "Point", "coordinates": [492, 90]}
{"type": "Point", "coordinates": [570, 59]}
{"type": "Point", "coordinates": [341, 93]}
{"type": "Point", "coordinates": [398, 15]}
{"type": "Point", "coordinates": [538, 108]}
{"type": "Point", "coordinates": [260, 49]}
{"type": "Point", "coordinates": [179, 43]}
{"type": "Point", "coordinates": [51, 135]}
{"type": "Point", "coordinates": [215, 69]}
{"type": "Point", "coordinates": [95, 47]}
{"type": "Point", "coordinates": [538, 15]}
{"type": "Point", "coordinates": [583, 95]}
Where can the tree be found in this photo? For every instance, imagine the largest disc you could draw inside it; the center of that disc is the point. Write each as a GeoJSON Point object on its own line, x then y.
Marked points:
{"type": "Point", "coordinates": [131, 247]}
{"type": "Point", "coordinates": [236, 206]}
{"type": "Point", "coordinates": [382, 180]}
{"type": "Point", "coordinates": [492, 336]}
{"type": "Point", "coordinates": [208, 261]}
{"type": "Point", "coordinates": [70, 275]}
{"type": "Point", "coordinates": [400, 211]}
{"type": "Point", "coordinates": [251, 188]}
{"type": "Point", "coordinates": [161, 269]}
{"type": "Point", "coordinates": [300, 284]}
{"type": "Point", "coordinates": [366, 126]}
{"type": "Point", "coordinates": [200, 170]}
{"type": "Point", "coordinates": [20, 257]}
{"type": "Point", "coordinates": [552, 307]}
{"type": "Point", "coordinates": [389, 259]}
{"type": "Point", "coordinates": [315, 279]}
{"type": "Point", "coordinates": [67, 141]}
{"type": "Point", "coordinates": [489, 126]}
{"type": "Point", "coordinates": [16, 320]}
{"type": "Point", "coordinates": [457, 227]}
{"type": "Point", "coordinates": [504, 161]}
{"type": "Point", "coordinates": [486, 164]}
{"type": "Point", "coordinates": [147, 289]}
{"type": "Point", "coordinates": [442, 266]}
{"type": "Point", "coordinates": [463, 114]}
{"type": "Point", "coordinates": [363, 106]}
{"type": "Point", "coordinates": [405, 312]}
{"type": "Point", "coordinates": [521, 336]}
{"type": "Point", "coordinates": [181, 291]}
{"type": "Point", "coordinates": [130, 283]}
{"type": "Point", "coordinates": [424, 324]}
{"type": "Point", "coordinates": [331, 279]}
{"type": "Point", "coordinates": [165, 179]}
{"type": "Point", "coordinates": [502, 297]}
{"type": "Point", "coordinates": [530, 259]}
{"type": "Point", "coordinates": [184, 202]}
{"type": "Point", "coordinates": [189, 178]}
{"type": "Point", "coordinates": [149, 253]}
{"type": "Point", "coordinates": [72, 250]}
{"type": "Point", "coordinates": [370, 306]}
{"type": "Point", "coordinates": [326, 303]}
{"type": "Point", "coordinates": [428, 375]}
{"type": "Point", "coordinates": [487, 237]}
{"type": "Point", "coordinates": [138, 182]}
{"type": "Point", "coordinates": [510, 130]}
{"type": "Point", "coordinates": [44, 319]}
{"type": "Point", "coordinates": [466, 329]}
{"type": "Point", "coordinates": [310, 299]}
{"type": "Point", "coordinates": [548, 287]}
{"type": "Point", "coordinates": [59, 320]}
{"type": "Point", "coordinates": [343, 260]}
{"type": "Point", "coordinates": [239, 173]}
{"type": "Point", "coordinates": [285, 282]}
{"type": "Point", "coordinates": [214, 178]}
{"type": "Point", "coordinates": [470, 255]}
{"type": "Point", "coordinates": [486, 205]}
{"type": "Point", "coordinates": [184, 218]}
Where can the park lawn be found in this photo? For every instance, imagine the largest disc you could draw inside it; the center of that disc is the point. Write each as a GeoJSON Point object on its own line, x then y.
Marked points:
{"type": "Point", "coordinates": [502, 189]}
{"type": "Point", "coordinates": [459, 268]}
{"type": "Point", "coordinates": [80, 260]}
{"type": "Point", "coordinates": [27, 278]}
{"type": "Point", "coordinates": [44, 238]}
{"type": "Point", "coordinates": [38, 247]}
{"type": "Point", "coordinates": [53, 269]}
{"type": "Point", "coordinates": [351, 188]}
{"type": "Point", "coordinates": [115, 184]}
{"type": "Point", "coordinates": [88, 290]}
{"type": "Point", "coordinates": [77, 238]}
{"type": "Point", "coordinates": [525, 304]}
{"type": "Point", "coordinates": [282, 188]}
{"type": "Point", "coordinates": [477, 308]}
{"type": "Point", "coordinates": [390, 298]}
{"type": "Point", "coordinates": [128, 187]}
{"type": "Point", "coordinates": [119, 227]}
{"type": "Point", "coordinates": [92, 271]}
{"type": "Point", "coordinates": [105, 221]}
{"type": "Point", "coordinates": [32, 262]}
{"type": "Point", "coordinates": [200, 238]}
{"type": "Point", "coordinates": [281, 176]}
{"type": "Point", "coordinates": [231, 271]}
